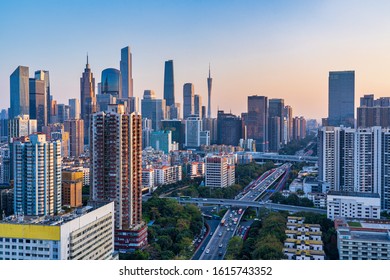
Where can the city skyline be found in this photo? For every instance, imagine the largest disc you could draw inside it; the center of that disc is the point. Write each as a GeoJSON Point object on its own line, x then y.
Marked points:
{"type": "Point", "coordinates": [279, 49]}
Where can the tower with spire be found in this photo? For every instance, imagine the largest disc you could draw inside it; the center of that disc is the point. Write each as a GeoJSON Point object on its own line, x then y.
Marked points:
{"type": "Point", "coordinates": [209, 86]}
{"type": "Point", "coordinates": [87, 98]}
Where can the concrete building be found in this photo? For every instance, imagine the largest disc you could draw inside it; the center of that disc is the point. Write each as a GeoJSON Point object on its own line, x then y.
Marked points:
{"type": "Point", "coordinates": [219, 171]}
{"type": "Point", "coordinates": [148, 180]}
{"type": "Point", "coordinates": [75, 128]}
{"type": "Point", "coordinates": [167, 175]}
{"type": "Point", "coordinates": [303, 241]}
{"type": "Point", "coordinates": [6, 202]}
{"type": "Point", "coordinates": [353, 205]}
{"type": "Point", "coordinates": [72, 185]}
{"type": "Point", "coordinates": [116, 172]}
{"type": "Point", "coordinates": [363, 239]}
{"type": "Point", "coordinates": [193, 127]}
{"type": "Point", "coordinates": [84, 234]}
{"type": "Point", "coordinates": [21, 126]}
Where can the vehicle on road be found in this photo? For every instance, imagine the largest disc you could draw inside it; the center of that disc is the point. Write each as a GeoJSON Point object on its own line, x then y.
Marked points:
{"type": "Point", "coordinates": [220, 234]}
{"type": "Point", "coordinates": [207, 250]}
{"type": "Point", "coordinates": [220, 245]}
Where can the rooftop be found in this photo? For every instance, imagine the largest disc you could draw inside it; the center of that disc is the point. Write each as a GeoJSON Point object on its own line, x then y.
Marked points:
{"type": "Point", "coordinates": [356, 194]}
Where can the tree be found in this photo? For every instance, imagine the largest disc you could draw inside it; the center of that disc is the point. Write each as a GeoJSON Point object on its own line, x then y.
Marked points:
{"type": "Point", "coordinates": [268, 248]}
{"type": "Point", "coordinates": [234, 248]}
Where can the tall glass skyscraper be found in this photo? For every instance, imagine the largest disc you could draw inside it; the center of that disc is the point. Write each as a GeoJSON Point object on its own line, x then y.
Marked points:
{"type": "Point", "coordinates": [188, 100]}
{"type": "Point", "coordinates": [126, 70]}
{"type": "Point", "coordinates": [43, 75]}
{"type": "Point", "coordinates": [169, 87]}
{"type": "Point", "coordinates": [111, 82]}
{"type": "Point", "coordinates": [38, 105]}
{"type": "Point", "coordinates": [19, 88]}
{"type": "Point", "coordinates": [341, 107]}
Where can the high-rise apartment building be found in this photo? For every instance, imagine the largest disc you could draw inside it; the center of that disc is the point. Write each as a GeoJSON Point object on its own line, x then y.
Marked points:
{"type": "Point", "coordinates": [356, 160]}
{"type": "Point", "coordinates": [19, 87]}
{"type": "Point", "coordinates": [288, 124]}
{"type": "Point", "coordinates": [21, 126]}
{"type": "Point", "coordinates": [87, 99]}
{"type": "Point", "coordinates": [75, 128]}
{"type": "Point", "coordinates": [341, 107]}
{"type": "Point", "coordinates": [153, 109]}
{"type": "Point", "coordinates": [37, 176]}
{"type": "Point", "coordinates": [193, 129]}
{"type": "Point", "coordinates": [219, 171]}
{"type": "Point", "coordinates": [256, 121]}
{"type": "Point", "coordinates": [126, 69]}
{"type": "Point", "coordinates": [188, 100]}
{"type": "Point", "coordinates": [116, 172]}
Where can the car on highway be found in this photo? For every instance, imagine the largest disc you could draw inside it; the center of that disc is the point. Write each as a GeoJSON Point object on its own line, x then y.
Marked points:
{"type": "Point", "coordinates": [220, 245]}
{"type": "Point", "coordinates": [211, 233]}
{"type": "Point", "coordinates": [220, 234]}
{"type": "Point", "coordinates": [207, 250]}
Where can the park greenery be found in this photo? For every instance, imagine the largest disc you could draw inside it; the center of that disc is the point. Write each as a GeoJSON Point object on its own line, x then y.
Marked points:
{"type": "Point", "coordinates": [173, 229]}
{"type": "Point", "coordinates": [265, 239]}
{"type": "Point", "coordinates": [292, 199]}
{"type": "Point", "coordinates": [295, 145]}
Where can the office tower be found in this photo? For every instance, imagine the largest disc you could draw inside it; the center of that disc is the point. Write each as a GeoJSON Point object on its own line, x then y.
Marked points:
{"type": "Point", "coordinates": [204, 138]}
{"type": "Point", "coordinates": [188, 100]}
{"type": "Point", "coordinates": [111, 82]}
{"type": "Point", "coordinates": [275, 109]}
{"type": "Point", "coordinates": [212, 126]}
{"type": "Point", "coordinates": [82, 234]}
{"type": "Point", "coordinates": [153, 109]}
{"type": "Point", "coordinates": [274, 133]}
{"type": "Point", "coordinates": [63, 136]}
{"type": "Point", "coordinates": [193, 129]}
{"type": "Point", "coordinates": [176, 127]}
{"type": "Point", "coordinates": [103, 100]}
{"type": "Point", "coordinates": [116, 172]}
{"type": "Point", "coordinates": [256, 121]}
{"type": "Point", "coordinates": [203, 113]}
{"type": "Point", "coordinates": [169, 85]}
{"type": "Point", "coordinates": [63, 113]}
{"type": "Point", "coordinates": [209, 87]}
{"type": "Point", "coordinates": [19, 87]}
{"type": "Point", "coordinates": [161, 140]}
{"type": "Point", "coordinates": [87, 99]}
{"type": "Point", "coordinates": [229, 129]}
{"type": "Point", "coordinates": [173, 111]}
{"type": "Point", "coordinates": [198, 105]}
{"type": "Point", "coordinates": [4, 125]}
{"type": "Point", "coordinates": [146, 132]}
{"type": "Point", "coordinates": [287, 116]}
{"type": "Point", "coordinates": [126, 70]}
{"type": "Point", "coordinates": [43, 75]}
{"type": "Point", "coordinates": [302, 127]}
{"type": "Point", "coordinates": [37, 176]}
{"type": "Point", "coordinates": [296, 129]}
{"type": "Point", "coordinates": [72, 185]}
{"type": "Point", "coordinates": [38, 105]}
{"type": "Point", "coordinates": [341, 107]}
{"type": "Point", "coordinates": [132, 105]}
{"type": "Point", "coordinates": [75, 128]}
{"type": "Point", "coordinates": [75, 110]}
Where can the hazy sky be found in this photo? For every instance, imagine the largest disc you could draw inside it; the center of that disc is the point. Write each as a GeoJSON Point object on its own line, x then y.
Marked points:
{"type": "Point", "coordinates": [280, 49]}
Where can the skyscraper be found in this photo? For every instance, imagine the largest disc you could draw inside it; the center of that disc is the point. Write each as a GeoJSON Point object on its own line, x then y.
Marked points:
{"type": "Point", "coordinates": [229, 129]}
{"type": "Point", "coordinates": [111, 82]}
{"type": "Point", "coordinates": [116, 172]}
{"type": "Point", "coordinates": [153, 108]}
{"type": "Point", "coordinates": [126, 69]}
{"type": "Point", "coordinates": [276, 107]}
{"type": "Point", "coordinates": [209, 87]}
{"type": "Point", "coordinates": [198, 105]}
{"type": "Point", "coordinates": [43, 75]}
{"type": "Point", "coordinates": [169, 86]}
{"type": "Point", "coordinates": [75, 128]}
{"type": "Point", "coordinates": [256, 121]}
{"type": "Point", "coordinates": [341, 108]}
{"type": "Point", "coordinates": [193, 129]}
{"type": "Point", "coordinates": [87, 99]}
{"type": "Point", "coordinates": [19, 88]}
{"type": "Point", "coordinates": [37, 176]}
{"type": "Point", "coordinates": [188, 100]}
{"type": "Point", "coordinates": [38, 105]}
{"type": "Point", "coordinates": [75, 109]}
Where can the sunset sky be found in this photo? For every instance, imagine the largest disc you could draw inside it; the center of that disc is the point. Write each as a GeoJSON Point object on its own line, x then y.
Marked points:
{"type": "Point", "coordinates": [280, 49]}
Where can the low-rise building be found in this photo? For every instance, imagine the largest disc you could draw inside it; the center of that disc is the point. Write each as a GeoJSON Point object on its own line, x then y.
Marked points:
{"type": "Point", "coordinates": [360, 239]}
{"type": "Point", "coordinates": [353, 205]}
{"type": "Point", "coordinates": [167, 175]}
{"type": "Point", "coordinates": [84, 234]}
{"type": "Point", "coordinates": [303, 240]}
